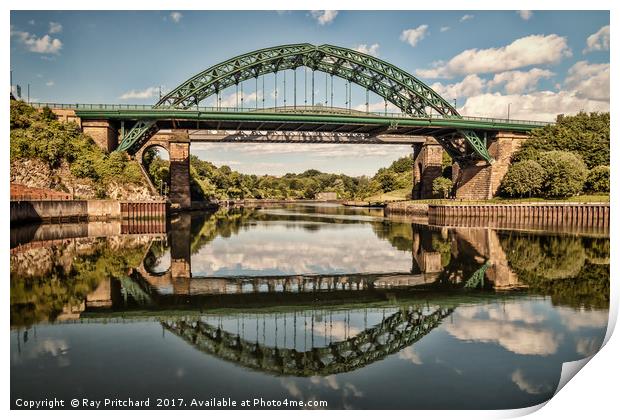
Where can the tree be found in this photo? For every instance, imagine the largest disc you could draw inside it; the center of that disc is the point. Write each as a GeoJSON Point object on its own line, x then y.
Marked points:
{"type": "Point", "coordinates": [598, 179]}
{"type": "Point", "coordinates": [386, 179]}
{"type": "Point", "coordinates": [584, 134]}
{"type": "Point", "coordinates": [442, 186]}
{"type": "Point", "coordinates": [565, 173]}
{"type": "Point", "coordinates": [523, 179]}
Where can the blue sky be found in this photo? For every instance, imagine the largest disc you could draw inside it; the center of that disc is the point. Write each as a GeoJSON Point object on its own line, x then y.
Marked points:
{"type": "Point", "coordinates": [541, 63]}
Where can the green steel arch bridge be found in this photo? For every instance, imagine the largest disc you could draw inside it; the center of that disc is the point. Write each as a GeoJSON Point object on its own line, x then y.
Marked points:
{"type": "Point", "coordinates": [423, 112]}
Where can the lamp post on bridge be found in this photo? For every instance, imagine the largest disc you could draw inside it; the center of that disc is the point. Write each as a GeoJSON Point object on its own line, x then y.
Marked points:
{"type": "Point", "coordinates": [509, 111]}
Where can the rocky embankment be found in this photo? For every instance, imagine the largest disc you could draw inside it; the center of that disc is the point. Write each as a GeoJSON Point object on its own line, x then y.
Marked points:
{"type": "Point", "coordinates": [37, 174]}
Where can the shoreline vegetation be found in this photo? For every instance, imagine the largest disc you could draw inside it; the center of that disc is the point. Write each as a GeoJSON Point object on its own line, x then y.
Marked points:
{"type": "Point", "coordinates": [567, 162]}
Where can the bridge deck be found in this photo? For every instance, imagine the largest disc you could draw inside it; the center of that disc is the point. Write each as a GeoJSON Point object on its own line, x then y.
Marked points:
{"type": "Point", "coordinates": [336, 123]}
{"type": "Point", "coordinates": [298, 118]}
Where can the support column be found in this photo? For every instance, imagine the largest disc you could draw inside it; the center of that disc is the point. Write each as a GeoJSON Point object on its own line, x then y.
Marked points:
{"type": "Point", "coordinates": [180, 195]}
{"type": "Point", "coordinates": [480, 180]}
{"type": "Point", "coordinates": [426, 167]}
{"type": "Point", "coordinates": [103, 132]}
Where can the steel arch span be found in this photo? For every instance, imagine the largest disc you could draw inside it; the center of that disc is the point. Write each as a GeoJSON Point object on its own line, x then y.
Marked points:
{"type": "Point", "coordinates": [417, 101]}
{"type": "Point", "coordinates": [394, 85]}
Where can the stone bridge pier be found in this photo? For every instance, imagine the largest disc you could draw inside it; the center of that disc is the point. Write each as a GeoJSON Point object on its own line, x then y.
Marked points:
{"type": "Point", "coordinates": [426, 167]}
{"type": "Point", "coordinates": [176, 143]}
{"type": "Point", "coordinates": [472, 180]}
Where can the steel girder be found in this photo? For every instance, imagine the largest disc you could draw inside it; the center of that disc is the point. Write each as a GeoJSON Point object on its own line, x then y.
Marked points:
{"type": "Point", "coordinates": [138, 135]}
{"type": "Point", "coordinates": [477, 279]}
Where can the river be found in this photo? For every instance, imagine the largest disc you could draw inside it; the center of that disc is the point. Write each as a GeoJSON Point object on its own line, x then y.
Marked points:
{"type": "Point", "coordinates": [303, 303]}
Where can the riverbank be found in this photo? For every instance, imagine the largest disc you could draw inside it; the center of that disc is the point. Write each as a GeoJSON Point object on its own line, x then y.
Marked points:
{"type": "Point", "coordinates": [589, 215]}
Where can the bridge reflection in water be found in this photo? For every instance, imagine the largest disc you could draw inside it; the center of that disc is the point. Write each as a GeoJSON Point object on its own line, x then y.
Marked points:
{"type": "Point", "coordinates": [307, 299]}
{"type": "Point", "coordinates": [317, 352]}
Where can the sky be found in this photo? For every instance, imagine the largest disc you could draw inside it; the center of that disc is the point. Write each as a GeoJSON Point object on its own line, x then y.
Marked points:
{"type": "Point", "coordinates": [537, 63]}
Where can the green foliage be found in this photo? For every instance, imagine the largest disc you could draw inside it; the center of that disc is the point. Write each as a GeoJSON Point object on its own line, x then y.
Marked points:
{"type": "Point", "coordinates": [446, 165]}
{"type": "Point", "coordinates": [598, 179]}
{"type": "Point", "coordinates": [38, 135]}
{"type": "Point", "coordinates": [210, 182]}
{"type": "Point", "coordinates": [47, 114]}
{"type": "Point", "coordinates": [565, 173]}
{"type": "Point", "coordinates": [442, 187]}
{"type": "Point", "coordinates": [40, 294]}
{"type": "Point", "coordinates": [584, 134]}
{"type": "Point", "coordinates": [572, 270]}
{"type": "Point", "coordinates": [403, 164]}
{"type": "Point", "coordinates": [523, 179]}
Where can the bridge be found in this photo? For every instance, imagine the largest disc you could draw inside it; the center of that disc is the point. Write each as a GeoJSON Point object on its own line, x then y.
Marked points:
{"type": "Point", "coordinates": [480, 147]}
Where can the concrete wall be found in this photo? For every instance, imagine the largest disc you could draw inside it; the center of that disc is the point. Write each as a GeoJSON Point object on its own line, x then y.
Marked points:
{"type": "Point", "coordinates": [22, 211]}
{"type": "Point", "coordinates": [27, 211]}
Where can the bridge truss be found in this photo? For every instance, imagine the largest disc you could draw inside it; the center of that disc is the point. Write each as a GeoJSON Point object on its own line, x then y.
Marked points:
{"type": "Point", "coordinates": [394, 85]}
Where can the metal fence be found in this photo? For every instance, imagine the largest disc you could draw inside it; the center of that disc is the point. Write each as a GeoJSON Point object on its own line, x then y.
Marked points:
{"type": "Point", "coordinates": [280, 110]}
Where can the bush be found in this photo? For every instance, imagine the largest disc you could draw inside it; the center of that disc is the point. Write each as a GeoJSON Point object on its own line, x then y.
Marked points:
{"type": "Point", "coordinates": [523, 179]}
{"type": "Point", "coordinates": [584, 134]}
{"type": "Point", "coordinates": [598, 179]}
{"type": "Point", "coordinates": [565, 173]}
{"type": "Point", "coordinates": [442, 186]}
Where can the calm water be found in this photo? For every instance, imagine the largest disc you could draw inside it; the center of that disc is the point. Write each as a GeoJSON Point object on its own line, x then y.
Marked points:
{"type": "Point", "coordinates": [310, 303]}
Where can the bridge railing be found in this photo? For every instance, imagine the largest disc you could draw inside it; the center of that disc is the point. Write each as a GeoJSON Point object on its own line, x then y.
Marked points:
{"type": "Point", "coordinates": [278, 110]}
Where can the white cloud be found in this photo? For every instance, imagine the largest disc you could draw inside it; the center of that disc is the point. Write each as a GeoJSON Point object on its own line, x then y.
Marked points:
{"type": "Point", "coordinates": [526, 51]}
{"type": "Point", "coordinates": [147, 93]}
{"type": "Point", "coordinates": [598, 41]}
{"type": "Point", "coordinates": [176, 16]}
{"type": "Point", "coordinates": [411, 355]}
{"type": "Point", "coordinates": [329, 151]}
{"type": "Point", "coordinates": [44, 45]}
{"type": "Point", "coordinates": [55, 28]}
{"type": "Point", "coordinates": [370, 50]}
{"type": "Point", "coordinates": [506, 329]}
{"type": "Point", "coordinates": [414, 35]}
{"type": "Point", "coordinates": [469, 86]}
{"type": "Point", "coordinates": [589, 81]}
{"type": "Point", "coordinates": [324, 17]}
{"type": "Point", "coordinates": [230, 100]}
{"type": "Point", "coordinates": [539, 106]}
{"type": "Point", "coordinates": [444, 29]}
{"type": "Point", "coordinates": [516, 81]}
{"type": "Point", "coordinates": [525, 14]}
{"type": "Point", "coordinates": [50, 83]}
{"type": "Point", "coordinates": [377, 107]}
{"type": "Point", "coordinates": [466, 17]}
{"type": "Point", "coordinates": [529, 386]}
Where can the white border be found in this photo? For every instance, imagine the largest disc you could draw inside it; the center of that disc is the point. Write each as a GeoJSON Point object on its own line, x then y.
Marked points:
{"type": "Point", "coordinates": [593, 394]}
